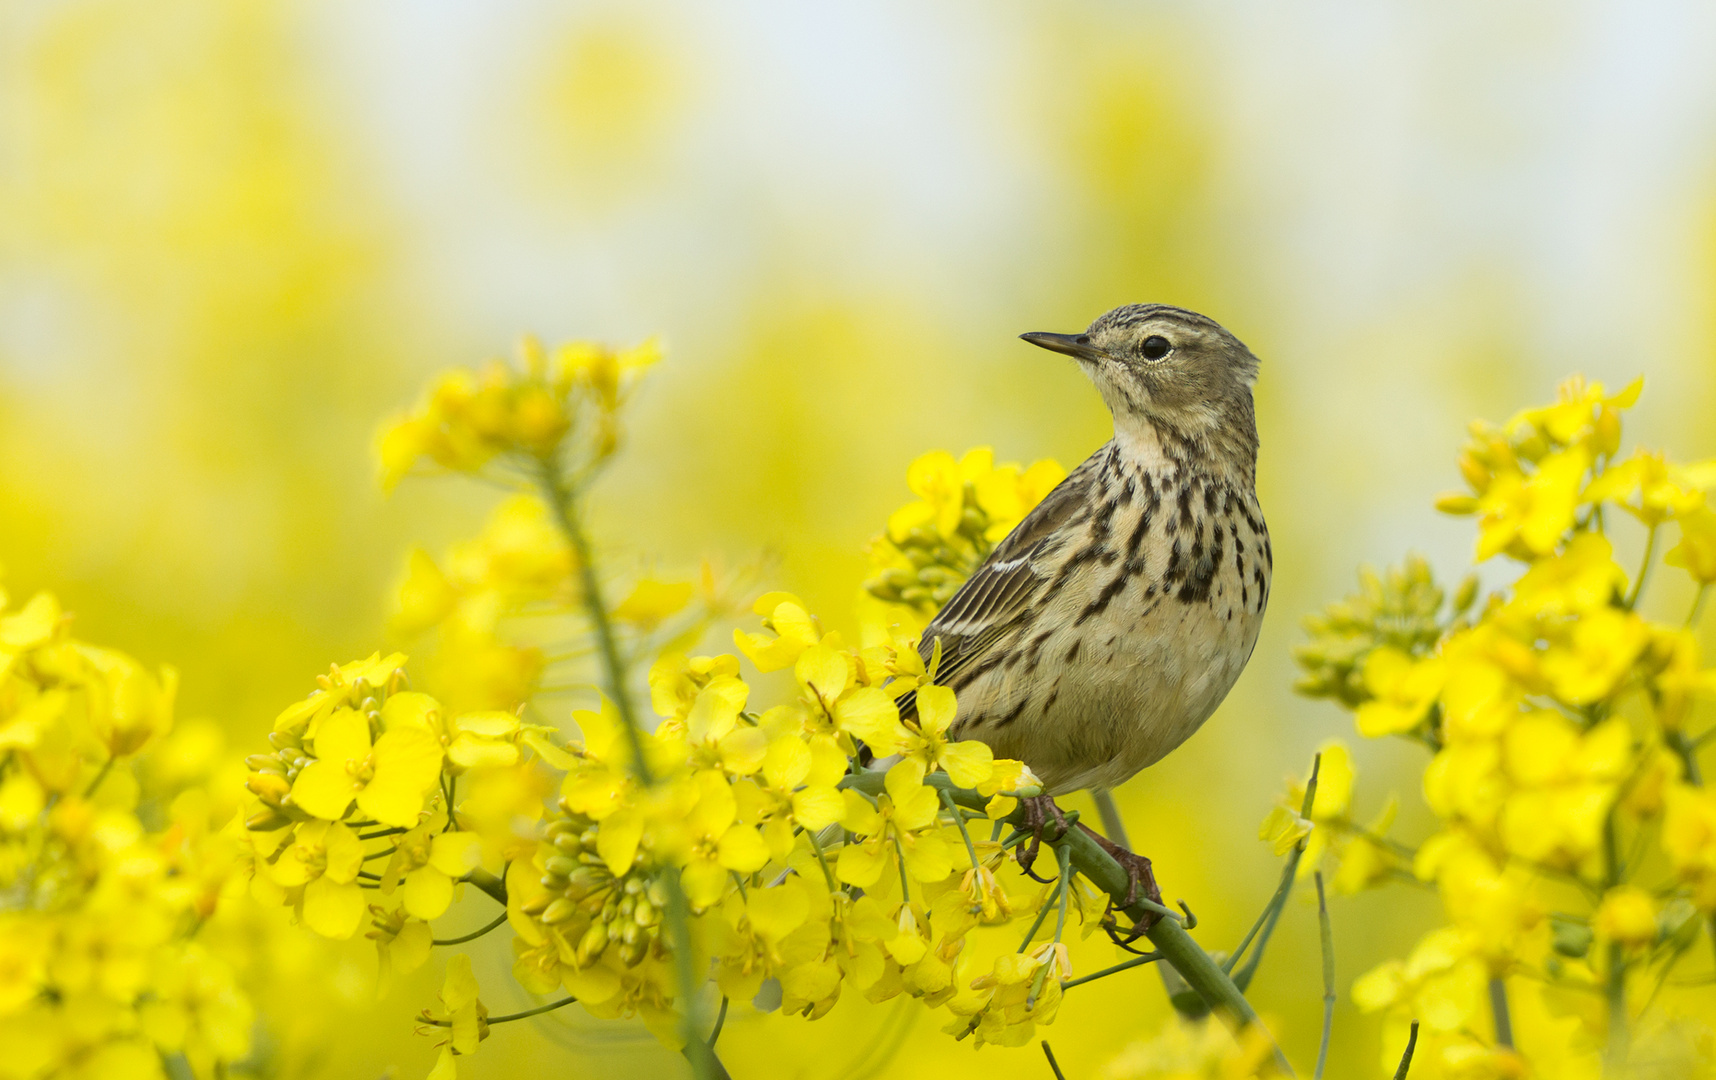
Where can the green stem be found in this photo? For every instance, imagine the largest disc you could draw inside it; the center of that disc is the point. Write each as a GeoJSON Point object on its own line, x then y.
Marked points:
{"type": "Point", "coordinates": [1112, 825]}
{"type": "Point", "coordinates": [564, 503]}
{"type": "Point", "coordinates": [1124, 965]}
{"type": "Point", "coordinates": [1406, 1058]}
{"type": "Point", "coordinates": [821, 859]}
{"type": "Point", "coordinates": [1687, 751]}
{"type": "Point", "coordinates": [1698, 604]}
{"type": "Point", "coordinates": [1615, 981]}
{"type": "Point", "coordinates": [510, 1017]}
{"type": "Point", "coordinates": [1167, 933]}
{"type": "Point", "coordinates": [101, 774]}
{"type": "Point", "coordinates": [1615, 991]}
{"type": "Point", "coordinates": [905, 882]}
{"type": "Point", "coordinates": [1499, 1010]}
{"type": "Point", "coordinates": [959, 819]}
{"type": "Point", "coordinates": [1644, 570]}
{"type": "Point", "coordinates": [720, 1022]}
{"type": "Point", "coordinates": [1042, 915]}
{"type": "Point", "coordinates": [1328, 939]}
{"type": "Point", "coordinates": [1054, 1065]}
{"type": "Point", "coordinates": [473, 935]}
{"type": "Point", "coordinates": [488, 883]}
{"type": "Point", "coordinates": [1272, 913]}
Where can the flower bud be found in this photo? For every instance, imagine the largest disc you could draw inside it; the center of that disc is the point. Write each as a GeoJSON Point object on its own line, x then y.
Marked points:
{"type": "Point", "coordinates": [267, 821]}
{"type": "Point", "coordinates": [559, 910]}
{"type": "Point", "coordinates": [592, 943]}
{"type": "Point", "coordinates": [271, 788]}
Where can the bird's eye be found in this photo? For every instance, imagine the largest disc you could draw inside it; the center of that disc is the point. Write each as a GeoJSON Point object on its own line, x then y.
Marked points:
{"type": "Point", "coordinates": [1156, 347]}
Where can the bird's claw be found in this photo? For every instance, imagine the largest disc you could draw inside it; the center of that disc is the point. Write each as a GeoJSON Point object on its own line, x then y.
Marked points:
{"type": "Point", "coordinates": [1039, 810]}
{"type": "Point", "coordinates": [1140, 879]}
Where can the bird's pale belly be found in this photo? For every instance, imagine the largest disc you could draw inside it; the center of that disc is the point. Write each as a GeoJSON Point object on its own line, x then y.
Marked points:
{"type": "Point", "coordinates": [1111, 696]}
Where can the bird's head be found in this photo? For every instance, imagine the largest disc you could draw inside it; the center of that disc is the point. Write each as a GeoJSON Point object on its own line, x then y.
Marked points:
{"type": "Point", "coordinates": [1167, 370]}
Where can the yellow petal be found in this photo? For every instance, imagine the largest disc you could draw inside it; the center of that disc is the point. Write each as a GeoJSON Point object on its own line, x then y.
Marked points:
{"type": "Point", "coordinates": [473, 752]}
{"type": "Point", "coordinates": [861, 864]}
{"type": "Point", "coordinates": [743, 850]}
{"type": "Point", "coordinates": [928, 858]}
{"type": "Point", "coordinates": [427, 892]}
{"type": "Point", "coordinates": [704, 881]}
{"type": "Point", "coordinates": [936, 709]}
{"type": "Point", "coordinates": [407, 766]}
{"type": "Point", "coordinates": [617, 842]}
{"type": "Point", "coordinates": [824, 672]}
{"type": "Point", "coordinates": [344, 853]}
{"type": "Point", "coordinates": [816, 808]}
{"type": "Point", "coordinates": [333, 909]}
{"type": "Point", "coordinates": [343, 736]}
{"type": "Point", "coordinates": [324, 789]}
{"type": "Point", "coordinates": [869, 713]}
{"type": "Point", "coordinates": [716, 709]}
{"type": "Point", "coordinates": [904, 779]}
{"type": "Point", "coordinates": [777, 912]}
{"type": "Point", "coordinates": [408, 708]}
{"type": "Point", "coordinates": [456, 853]}
{"type": "Point", "coordinates": [967, 763]}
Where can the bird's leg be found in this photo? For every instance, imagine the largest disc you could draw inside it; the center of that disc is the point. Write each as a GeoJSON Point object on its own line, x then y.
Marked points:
{"type": "Point", "coordinates": [1039, 811]}
{"type": "Point", "coordinates": [1139, 879]}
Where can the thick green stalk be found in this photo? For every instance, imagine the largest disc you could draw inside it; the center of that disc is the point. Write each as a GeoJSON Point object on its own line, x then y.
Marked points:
{"type": "Point", "coordinates": [564, 503]}
{"type": "Point", "coordinates": [1326, 933]}
{"type": "Point", "coordinates": [1168, 935]}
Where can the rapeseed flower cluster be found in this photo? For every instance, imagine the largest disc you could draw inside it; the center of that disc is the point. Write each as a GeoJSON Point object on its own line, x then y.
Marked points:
{"type": "Point", "coordinates": [101, 974]}
{"type": "Point", "coordinates": [634, 862]}
{"type": "Point", "coordinates": [963, 509]}
{"type": "Point", "coordinates": [1576, 849]}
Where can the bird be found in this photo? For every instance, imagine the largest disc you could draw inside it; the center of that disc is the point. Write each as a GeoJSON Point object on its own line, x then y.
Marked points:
{"type": "Point", "coordinates": [1109, 624]}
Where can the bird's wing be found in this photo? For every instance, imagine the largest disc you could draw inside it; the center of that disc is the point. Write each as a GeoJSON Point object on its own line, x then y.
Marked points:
{"type": "Point", "coordinates": [1002, 589]}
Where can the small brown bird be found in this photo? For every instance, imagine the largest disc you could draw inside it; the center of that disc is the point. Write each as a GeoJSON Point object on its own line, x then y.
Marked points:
{"type": "Point", "coordinates": [1107, 627]}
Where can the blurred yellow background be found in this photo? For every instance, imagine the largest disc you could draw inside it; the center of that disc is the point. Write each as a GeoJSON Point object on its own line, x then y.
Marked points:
{"type": "Point", "coordinates": [234, 236]}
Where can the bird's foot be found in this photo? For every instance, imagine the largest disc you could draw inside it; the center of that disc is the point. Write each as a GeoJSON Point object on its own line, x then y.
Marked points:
{"type": "Point", "coordinates": [1040, 811]}
{"type": "Point", "coordinates": [1140, 884]}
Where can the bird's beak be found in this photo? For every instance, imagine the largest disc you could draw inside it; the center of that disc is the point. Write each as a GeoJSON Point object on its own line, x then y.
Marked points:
{"type": "Point", "coordinates": [1074, 345]}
